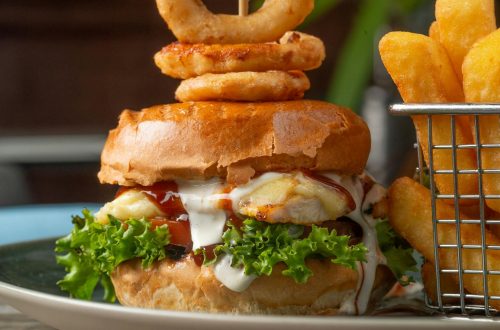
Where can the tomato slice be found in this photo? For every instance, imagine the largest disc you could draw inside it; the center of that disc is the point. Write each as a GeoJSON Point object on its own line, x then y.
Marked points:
{"type": "Point", "coordinates": [180, 232]}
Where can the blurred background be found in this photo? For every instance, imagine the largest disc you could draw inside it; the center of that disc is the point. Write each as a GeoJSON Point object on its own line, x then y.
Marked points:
{"type": "Point", "coordinates": [69, 67]}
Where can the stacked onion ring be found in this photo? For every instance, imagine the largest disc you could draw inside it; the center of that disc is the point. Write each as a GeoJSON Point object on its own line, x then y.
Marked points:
{"type": "Point", "coordinates": [235, 61]}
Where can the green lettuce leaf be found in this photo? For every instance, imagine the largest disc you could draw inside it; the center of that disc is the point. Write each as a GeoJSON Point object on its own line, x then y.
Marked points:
{"type": "Point", "coordinates": [93, 250]}
{"type": "Point", "coordinates": [397, 252]}
{"type": "Point", "coordinates": [258, 246]}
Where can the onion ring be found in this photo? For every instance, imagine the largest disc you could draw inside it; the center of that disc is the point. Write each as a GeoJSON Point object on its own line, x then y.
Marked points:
{"type": "Point", "coordinates": [295, 51]}
{"type": "Point", "coordinates": [191, 21]}
{"type": "Point", "coordinates": [244, 86]}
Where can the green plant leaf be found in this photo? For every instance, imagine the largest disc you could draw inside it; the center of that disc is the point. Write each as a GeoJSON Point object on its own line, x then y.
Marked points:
{"type": "Point", "coordinates": [321, 8]}
{"type": "Point", "coordinates": [398, 253]}
{"type": "Point", "coordinates": [407, 6]}
{"type": "Point", "coordinates": [354, 67]}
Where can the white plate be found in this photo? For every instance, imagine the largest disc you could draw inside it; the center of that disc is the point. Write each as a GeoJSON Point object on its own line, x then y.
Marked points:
{"type": "Point", "coordinates": [65, 313]}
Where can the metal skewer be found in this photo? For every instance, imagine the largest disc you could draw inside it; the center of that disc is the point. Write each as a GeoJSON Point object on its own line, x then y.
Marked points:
{"type": "Point", "coordinates": [243, 7]}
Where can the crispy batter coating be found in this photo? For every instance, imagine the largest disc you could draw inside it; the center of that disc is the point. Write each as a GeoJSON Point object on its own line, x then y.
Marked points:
{"type": "Point", "coordinates": [191, 21]}
{"type": "Point", "coordinates": [244, 86]}
{"type": "Point", "coordinates": [295, 51]}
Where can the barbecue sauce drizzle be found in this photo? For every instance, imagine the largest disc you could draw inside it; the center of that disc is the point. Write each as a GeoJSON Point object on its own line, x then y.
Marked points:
{"type": "Point", "coordinates": [333, 185]}
{"type": "Point", "coordinates": [165, 195]}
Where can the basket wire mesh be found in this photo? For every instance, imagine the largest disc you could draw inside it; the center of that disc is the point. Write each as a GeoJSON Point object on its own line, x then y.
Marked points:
{"type": "Point", "coordinates": [461, 302]}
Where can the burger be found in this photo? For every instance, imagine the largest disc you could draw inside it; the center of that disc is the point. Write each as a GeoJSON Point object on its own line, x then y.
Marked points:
{"type": "Point", "coordinates": [237, 207]}
{"type": "Point", "coordinates": [243, 198]}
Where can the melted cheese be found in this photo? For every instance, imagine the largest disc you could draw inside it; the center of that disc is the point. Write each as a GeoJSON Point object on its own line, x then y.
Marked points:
{"type": "Point", "coordinates": [200, 199]}
{"type": "Point", "coordinates": [288, 198]}
{"type": "Point", "coordinates": [130, 204]}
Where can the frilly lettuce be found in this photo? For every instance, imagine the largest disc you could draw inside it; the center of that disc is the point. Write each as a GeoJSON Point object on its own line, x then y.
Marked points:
{"type": "Point", "coordinates": [258, 246]}
{"type": "Point", "coordinates": [93, 250]}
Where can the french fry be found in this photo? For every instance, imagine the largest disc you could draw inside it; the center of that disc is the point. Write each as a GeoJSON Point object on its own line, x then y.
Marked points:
{"type": "Point", "coordinates": [482, 85]}
{"type": "Point", "coordinates": [423, 73]}
{"type": "Point", "coordinates": [449, 283]}
{"type": "Point", "coordinates": [462, 23]}
{"type": "Point", "coordinates": [434, 31]}
{"type": "Point", "coordinates": [474, 212]}
{"type": "Point", "coordinates": [410, 215]}
{"type": "Point", "coordinates": [494, 228]}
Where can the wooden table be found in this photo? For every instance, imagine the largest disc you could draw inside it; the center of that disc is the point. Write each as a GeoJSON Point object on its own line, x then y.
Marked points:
{"type": "Point", "coordinates": [12, 319]}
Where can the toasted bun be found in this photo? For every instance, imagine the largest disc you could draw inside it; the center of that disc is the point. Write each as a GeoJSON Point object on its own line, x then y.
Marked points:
{"type": "Point", "coordinates": [183, 286]}
{"type": "Point", "coordinates": [198, 140]}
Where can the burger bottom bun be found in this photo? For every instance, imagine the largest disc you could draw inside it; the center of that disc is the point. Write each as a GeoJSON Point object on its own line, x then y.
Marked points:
{"type": "Point", "coordinates": [184, 286]}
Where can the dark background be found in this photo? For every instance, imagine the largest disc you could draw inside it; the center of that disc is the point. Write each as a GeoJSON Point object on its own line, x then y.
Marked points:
{"type": "Point", "coordinates": [71, 66]}
{"type": "Point", "coordinates": [68, 68]}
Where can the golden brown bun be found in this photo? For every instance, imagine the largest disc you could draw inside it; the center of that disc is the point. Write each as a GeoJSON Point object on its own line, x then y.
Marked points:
{"type": "Point", "coordinates": [183, 286]}
{"type": "Point", "coordinates": [198, 140]}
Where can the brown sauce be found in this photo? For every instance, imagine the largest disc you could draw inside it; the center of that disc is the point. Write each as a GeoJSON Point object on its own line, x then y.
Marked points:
{"type": "Point", "coordinates": [332, 184]}
{"type": "Point", "coordinates": [165, 195]}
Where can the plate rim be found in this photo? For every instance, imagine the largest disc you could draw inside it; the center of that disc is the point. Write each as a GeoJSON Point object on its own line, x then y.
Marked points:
{"type": "Point", "coordinates": [8, 290]}
{"type": "Point", "coordinates": [12, 292]}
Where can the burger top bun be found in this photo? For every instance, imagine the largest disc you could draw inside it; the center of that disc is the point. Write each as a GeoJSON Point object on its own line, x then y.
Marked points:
{"type": "Point", "coordinates": [199, 140]}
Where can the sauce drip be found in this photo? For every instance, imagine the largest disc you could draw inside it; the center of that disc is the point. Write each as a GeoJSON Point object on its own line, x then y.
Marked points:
{"type": "Point", "coordinates": [165, 195]}
{"type": "Point", "coordinates": [227, 206]}
{"type": "Point", "coordinates": [332, 184]}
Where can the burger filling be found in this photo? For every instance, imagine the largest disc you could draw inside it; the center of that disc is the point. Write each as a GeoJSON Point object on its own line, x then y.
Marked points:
{"type": "Point", "coordinates": [242, 232]}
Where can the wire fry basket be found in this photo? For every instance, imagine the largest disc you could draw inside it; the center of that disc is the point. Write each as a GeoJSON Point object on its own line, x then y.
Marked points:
{"type": "Point", "coordinates": [460, 301]}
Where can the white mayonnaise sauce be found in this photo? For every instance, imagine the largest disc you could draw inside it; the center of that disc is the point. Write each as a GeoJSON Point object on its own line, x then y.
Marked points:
{"type": "Point", "coordinates": [233, 278]}
{"type": "Point", "coordinates": [367, 270]}
{"type": "Point", "coordinates": [206, 220]}
{"type": "Point", "coordinates": [207, 225]}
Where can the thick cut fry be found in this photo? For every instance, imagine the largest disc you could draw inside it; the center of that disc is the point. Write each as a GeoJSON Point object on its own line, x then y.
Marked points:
{"type": "Point", "coordinates": [423, 73]}
{"type": "Point", "coordinates": [474, 212]}
{"type": "Point", "coordinates": [410, 215]}
{"type": "Point", "coordinates": [434, 31]}
{"type": "Point", "coordinates": [461, 24]}
{"type": "Point", "coordinates": [449, 283]}
{"type": "Point", "coordinates": [482, 85]}
{"type": "Point", "coordinates": [494, 228]}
